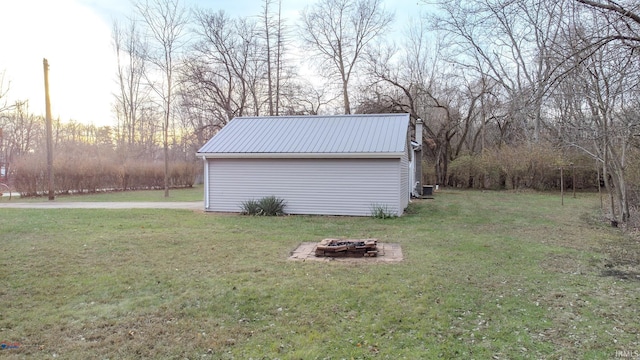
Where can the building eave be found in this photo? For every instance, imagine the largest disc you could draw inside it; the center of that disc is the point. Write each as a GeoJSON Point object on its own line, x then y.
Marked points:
{"type": "Point", "coordinates": [388, 155]}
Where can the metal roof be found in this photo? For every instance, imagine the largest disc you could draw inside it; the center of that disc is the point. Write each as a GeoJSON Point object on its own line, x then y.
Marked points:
{"type": "Point", "coordinates": [374, 135]}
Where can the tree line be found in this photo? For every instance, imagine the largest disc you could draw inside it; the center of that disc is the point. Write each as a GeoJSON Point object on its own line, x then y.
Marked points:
{"type": "Point", "coordinates": [510, 90]}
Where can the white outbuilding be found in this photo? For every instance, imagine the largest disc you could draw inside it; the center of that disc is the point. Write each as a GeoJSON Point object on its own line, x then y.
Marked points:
{"type": "Point", "coordinates": [325, 165]}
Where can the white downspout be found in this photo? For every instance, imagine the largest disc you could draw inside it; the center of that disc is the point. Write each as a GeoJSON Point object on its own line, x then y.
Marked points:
{"type": "Point", "coordinates": [418, 153]}
{"type": "Point", "coordinates": [206, 183]}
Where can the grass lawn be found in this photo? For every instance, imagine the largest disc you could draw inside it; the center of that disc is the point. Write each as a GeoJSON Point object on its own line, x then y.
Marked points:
{"type": "Point", "coordinates": [486, 275]}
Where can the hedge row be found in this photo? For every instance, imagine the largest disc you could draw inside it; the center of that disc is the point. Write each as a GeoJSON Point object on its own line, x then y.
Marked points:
{"type": "Point", "coordinates": [529, 167]}
{"type": "Point", "coordinates": [77, 174]}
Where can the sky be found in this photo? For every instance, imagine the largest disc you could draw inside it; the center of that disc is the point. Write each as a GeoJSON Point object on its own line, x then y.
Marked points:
{"type": "Point", "coordinates": [75, 38]}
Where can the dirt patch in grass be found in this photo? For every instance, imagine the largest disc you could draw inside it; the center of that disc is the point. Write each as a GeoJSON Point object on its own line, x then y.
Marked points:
{"type": "Point", "coordinates": [622, 258]}
{"type": "Point", "coordinates": [618, 258]}
{"type": "Point", "coordinates": [563, 263]}
{"type": "Point", "coordinates": [612, 252]}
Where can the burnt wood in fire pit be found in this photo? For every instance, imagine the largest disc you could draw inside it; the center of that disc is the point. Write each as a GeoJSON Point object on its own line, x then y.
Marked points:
{"type": "Point", "coordinates": [347, 248]}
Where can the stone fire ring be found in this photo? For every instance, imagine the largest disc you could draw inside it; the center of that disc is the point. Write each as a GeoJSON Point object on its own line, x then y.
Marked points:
{"type": "Point", "coordinates": [387, 253]}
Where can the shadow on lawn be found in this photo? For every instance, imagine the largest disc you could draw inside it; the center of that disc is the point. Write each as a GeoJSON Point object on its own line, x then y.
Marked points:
{"type": "Point", "coordinates": [625, 275]}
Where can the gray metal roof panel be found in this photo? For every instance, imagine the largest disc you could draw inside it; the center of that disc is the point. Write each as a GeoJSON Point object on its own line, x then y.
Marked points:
{"type": "Point", "coordinates": [377, 133]}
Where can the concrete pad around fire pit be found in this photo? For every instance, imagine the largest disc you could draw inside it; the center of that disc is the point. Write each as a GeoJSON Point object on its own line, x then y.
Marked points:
{"type": "Point", "coordinates": [387, 253]}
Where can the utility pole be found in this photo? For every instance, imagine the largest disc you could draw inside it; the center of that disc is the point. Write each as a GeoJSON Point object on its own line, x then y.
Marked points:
{"type": "Point", "coordinates": [45, 64]}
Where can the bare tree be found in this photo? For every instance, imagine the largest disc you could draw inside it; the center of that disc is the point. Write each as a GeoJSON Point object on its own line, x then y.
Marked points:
{"type": "Point", "coordinates": [226, 70]}
{"type": "Point", "coordinates": [166, 21]}
{"type": "Point", "coordinates": [131, 52]}
{"type": "Point", "coordinates": [509, 43]}
{"type": "Point", "coordinates": [339, 31]}
{"type": "Point", "coordinates": [279, 56]}
{"type": "Point", "coordinates": [303, 98]}
{"type": "Point", "coordinates": [255, 68]}
{"type": "Point", "coordinates": [624, 21]}
{"type": "Point", "coordinates": [267, 38]}
{"type": "Point", "coordinates": [599, 97]}
{"type": "Point", "coordinates": [416, 80]}
{"type": "Point", "coordinates": [3, 107]}
{"type": "Point", "coordinates": [274, 37]}
{"type": "Point", "coordinates": [21, 132]}
{"type": "Point", "coordinates": [4, 90]}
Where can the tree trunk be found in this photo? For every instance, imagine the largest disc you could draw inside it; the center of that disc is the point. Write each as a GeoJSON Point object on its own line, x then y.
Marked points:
{"type": "Point", "coordinates": [345, 96]}
{"type": "Point", "coordinates": [267, 36]}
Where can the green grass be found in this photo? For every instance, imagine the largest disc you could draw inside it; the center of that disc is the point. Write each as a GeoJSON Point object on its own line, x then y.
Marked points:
{"type": "Point", "coordinates": [486, 275]}
{"type": "Point", "coordinates": [195, 193]}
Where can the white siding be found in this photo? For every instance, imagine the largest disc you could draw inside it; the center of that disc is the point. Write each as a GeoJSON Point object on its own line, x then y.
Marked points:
{"type": "Point", "coordinates": [412, 176]}
{"type": "Point", "coordinates": [310, 186]}
{"type": "Point", "coordinates": [404, 181]}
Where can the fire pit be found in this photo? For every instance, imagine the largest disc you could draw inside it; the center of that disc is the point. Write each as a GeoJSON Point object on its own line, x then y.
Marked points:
{"type": "Point", "coordinates": [385, 253]}
{"type": "Point", "coordinates": [347, 248]}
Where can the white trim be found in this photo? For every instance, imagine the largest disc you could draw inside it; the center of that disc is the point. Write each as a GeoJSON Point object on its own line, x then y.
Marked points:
{"type": "Point", "coordinates": [387, 155]}
{"type": "Point", "coordinates": [328, 116]}
{"type": "Point", "coordinates": [206, 182]}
